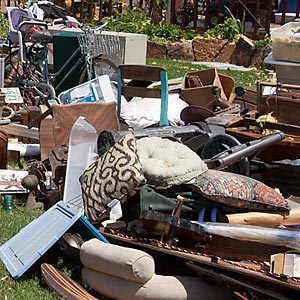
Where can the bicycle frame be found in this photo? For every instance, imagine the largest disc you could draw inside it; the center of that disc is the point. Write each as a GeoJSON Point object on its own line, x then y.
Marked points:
{"type": "Point", "coordinates": [79, 61]}
{"type": "Point", "coordinates": [68, 65]}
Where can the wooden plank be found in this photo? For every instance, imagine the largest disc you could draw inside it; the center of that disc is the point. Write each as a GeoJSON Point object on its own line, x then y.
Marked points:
{"type": "Point", "coordinates": [231, 280]}
{"type": "Point", "coordinates": [286, 128]}
{"type": "Point", "coordinates": [268, 16]}
{"type": "Point", "coordinates": [141, 73]}
{"type": "Point", "coordinates": [206, 260]}
{"type": "Point", "coordinates": [21, 131]}
{"type": "Point", "coordinates": [284, 109]}
{"type": "Point", "coordinates": [132, 91]}
{"type": "Point", "coordinates": [288, 148]}
{"type": "Point", "coordinates": [207, 15]}
{"type": "Point", "coordinates": [284, 4]}
{"type": "Point", "coordinates": [47, 141]}
{"type": "Point", "coordinates": [190, 234]}
{"type": "Point", "coordinates": [55, 131]}
{"type": "Point", "coordinates": [219, 11]}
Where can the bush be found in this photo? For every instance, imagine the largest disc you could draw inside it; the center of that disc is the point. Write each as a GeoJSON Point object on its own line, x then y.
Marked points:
{"type": "Point", "coordinates": [3, 26]}
{"type": "Point", "coordinates": [229, 30]}
{"type": "Point", "coordinates": [133, 21]}
{"type": "Point", "coordinates": [136, 21]}
{"type": "Point", "coordinates": [167, 32]}
{"type": "Point", "coordinates": [262, 43]}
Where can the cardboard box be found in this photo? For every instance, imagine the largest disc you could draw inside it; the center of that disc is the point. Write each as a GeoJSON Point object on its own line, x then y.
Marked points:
{"type": "Point", "coordinates": [286, 263]}
{"type": "Point", "coordinates": [277, 263]}
{"type": "Point", "coordinates": [197, 86]}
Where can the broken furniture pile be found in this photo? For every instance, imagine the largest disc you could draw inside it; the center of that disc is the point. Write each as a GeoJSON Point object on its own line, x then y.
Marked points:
{"type": "Point", "coordinates": [150, 189]}
{"type": "Point", "coordinates": [187, 210]}
{"type": "Point", "coordinates": [271, 112]}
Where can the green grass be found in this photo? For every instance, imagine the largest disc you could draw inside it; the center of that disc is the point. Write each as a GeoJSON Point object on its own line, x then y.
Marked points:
{"type": "Point", "coordinates": [30, 286]}
{"type": "Point", "coordinates": [177, 69]}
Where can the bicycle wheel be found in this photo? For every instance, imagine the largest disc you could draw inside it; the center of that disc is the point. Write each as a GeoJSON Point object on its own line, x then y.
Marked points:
{"type": "Point", "coordinates": [11, 67]}
{"type": "Point", "coordinates": [14, 70]}
{"type": "Point", "coordinates": [220, 143]}
{"type": "Point", "coordinates": [24, 76]}
{"type": "Point", "coordinates": [101, 66]}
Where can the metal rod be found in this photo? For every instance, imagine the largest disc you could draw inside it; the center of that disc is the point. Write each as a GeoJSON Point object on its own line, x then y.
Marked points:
{"type": "Point", "coordinates": [2, 70]}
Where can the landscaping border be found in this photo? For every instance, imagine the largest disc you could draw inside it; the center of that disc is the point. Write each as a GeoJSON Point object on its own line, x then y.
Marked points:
{"type": "Point", "coordinates": [242, 53]}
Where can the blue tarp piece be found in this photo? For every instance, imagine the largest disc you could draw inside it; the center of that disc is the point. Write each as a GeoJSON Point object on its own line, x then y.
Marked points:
{"type": "Point", "coordinates": [27, 246]}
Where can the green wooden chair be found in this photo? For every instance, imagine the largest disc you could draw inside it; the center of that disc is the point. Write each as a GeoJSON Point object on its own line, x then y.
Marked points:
{"type": "Point", "coordinates": [137, 76]}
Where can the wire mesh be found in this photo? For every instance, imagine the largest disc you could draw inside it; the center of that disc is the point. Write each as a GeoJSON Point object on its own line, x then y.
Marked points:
{"type": "Point", "coordinates": [94, 42]}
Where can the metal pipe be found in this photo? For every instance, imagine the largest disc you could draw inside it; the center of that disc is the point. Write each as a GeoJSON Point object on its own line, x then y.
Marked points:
{"type": "Point", "coordinates": [2, 69]}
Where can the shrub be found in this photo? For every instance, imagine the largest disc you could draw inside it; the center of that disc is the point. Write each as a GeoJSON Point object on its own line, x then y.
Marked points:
{"type": "Point", "coordinates": [3, 26]}
{"type": "Point", "coordinates": [229, 30]}
{"type": "Point", "coordinates": [262, 43]}
{"type": "Point", "coordinates": [167, 32]}
{"type": "Point", "coordinates": [136, 21]}
{"type": "Point", "coordinates": [133, 21]}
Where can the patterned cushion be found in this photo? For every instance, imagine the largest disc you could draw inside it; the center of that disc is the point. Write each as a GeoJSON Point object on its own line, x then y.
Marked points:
{"type": "Point", "coordinates": [117, 174]}
{"type": "Point", "coordinates": [238, 191]}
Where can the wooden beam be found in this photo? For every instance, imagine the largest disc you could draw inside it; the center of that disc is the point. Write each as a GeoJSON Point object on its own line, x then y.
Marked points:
{"type": "Point", "coordinates": [257, 15]}
{"type": "Point", "coordinates": [21, 130]}
{"type": "Point", "coordinates": [268, 16]}
{"type": "Point", "coordinates": [173, 11]}
{"type": "Point", "coordinates": [219, 11]}
{"type": "Point", "coordinates": [283, 11]}
{"type": "Point", "coordinates": [195, 13]}
{"type": "Point", "coordinates": [221, 264]}
{"type": "Point", "coordinates": [232, 6]}
{"type": "Point", "coordinates": [100, 10]}
{"type": "Point", "coordinates": [297, 8]}
{"type": "Point", "coordinates": [207, 15]}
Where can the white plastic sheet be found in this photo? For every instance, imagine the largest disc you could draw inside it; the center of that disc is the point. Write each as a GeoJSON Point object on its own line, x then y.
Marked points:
{"type": "Point", "coordinates": [82, 152]}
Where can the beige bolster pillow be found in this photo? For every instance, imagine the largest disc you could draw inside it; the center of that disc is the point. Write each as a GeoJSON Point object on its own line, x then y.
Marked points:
{"type": "Point", "coordinates": [293, 218]}
{"type": "Point", "coordinates": [256, 218]}
{"type": "Point", "coordinates": [127, 263]}
{"type": "Point", "coordinates": [157, 288]}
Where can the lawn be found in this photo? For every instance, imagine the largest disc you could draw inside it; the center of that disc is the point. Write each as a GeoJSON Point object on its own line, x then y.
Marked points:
{"type": "Point", "coordinates": [31, 286]}
{"type": "Point", "coordinates": [245, 79]}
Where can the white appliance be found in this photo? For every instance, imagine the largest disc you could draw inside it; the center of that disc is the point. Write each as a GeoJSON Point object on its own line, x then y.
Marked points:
{"type": "Point", "coordinates": [133, 48]}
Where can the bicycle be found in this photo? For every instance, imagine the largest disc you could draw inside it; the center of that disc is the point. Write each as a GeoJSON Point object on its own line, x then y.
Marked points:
{"type": "Point", "coordinates": [94, 44]}
{"type": "Point", "coordinates": [33, 71]}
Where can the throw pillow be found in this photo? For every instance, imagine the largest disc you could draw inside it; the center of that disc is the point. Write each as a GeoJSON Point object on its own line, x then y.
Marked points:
{"type": "Point", "coordinates": [117, 174]}
{"type": "Point", "coordinates": [238, 191]}
{"type": "Point", "coordinates": [167, 162]}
